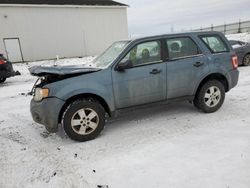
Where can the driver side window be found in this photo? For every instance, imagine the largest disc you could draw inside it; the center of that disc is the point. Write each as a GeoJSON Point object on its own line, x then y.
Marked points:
{"type": "Point", "coordinates": [144, 53]}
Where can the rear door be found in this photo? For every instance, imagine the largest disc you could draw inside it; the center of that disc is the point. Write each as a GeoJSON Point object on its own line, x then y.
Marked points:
{"type": "Point", "coordinates": [220, 56]}
{"type": "Point", "coordinates": [145, 80]}
{"type": "Point", "coordinates": [185, 67]}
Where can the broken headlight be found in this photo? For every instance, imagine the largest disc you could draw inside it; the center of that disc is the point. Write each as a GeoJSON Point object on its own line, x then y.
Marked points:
{"type": "Point", "coordinates": [40, 93]}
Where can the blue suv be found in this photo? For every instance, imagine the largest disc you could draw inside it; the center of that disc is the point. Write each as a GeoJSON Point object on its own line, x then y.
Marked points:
{"type": "Point", "coordinates": [198, 66]}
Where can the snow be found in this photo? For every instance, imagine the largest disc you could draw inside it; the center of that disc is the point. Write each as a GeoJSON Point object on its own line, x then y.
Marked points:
{"type": "Point", "coordinates": [245, 37]}
{"type": "Point", "coordinates": [171, 145]}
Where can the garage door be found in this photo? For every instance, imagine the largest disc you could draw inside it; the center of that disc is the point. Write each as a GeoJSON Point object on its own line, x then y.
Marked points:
{"type": "Point", "coordinates": [13, 49]}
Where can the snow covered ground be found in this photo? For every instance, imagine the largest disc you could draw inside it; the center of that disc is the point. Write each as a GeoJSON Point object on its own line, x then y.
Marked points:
{"type": "Point", "coordinates": [165, 146]}
{"type": "Point", "coordinates": [245, 37]}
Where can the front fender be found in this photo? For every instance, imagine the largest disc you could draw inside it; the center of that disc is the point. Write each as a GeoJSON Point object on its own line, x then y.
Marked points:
{"type": "Point", "coordinates": [97, 83]}
{"type": "Point", "coordinates": [103, 92]}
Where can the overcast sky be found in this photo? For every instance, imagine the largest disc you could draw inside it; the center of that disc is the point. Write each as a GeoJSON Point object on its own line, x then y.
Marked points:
{"type": "Point", "coordinates": [147, 17]}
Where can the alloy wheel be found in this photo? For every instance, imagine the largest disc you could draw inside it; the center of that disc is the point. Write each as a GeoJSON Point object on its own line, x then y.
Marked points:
{"type": "Point", "coordinates": [212, 96]}
{"type": "Point", "coordinates": [246, 60]}
{"type": "Point", "coordinates": [84, 121]}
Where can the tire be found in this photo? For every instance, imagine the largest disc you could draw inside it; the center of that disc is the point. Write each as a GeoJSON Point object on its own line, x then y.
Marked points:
{"type": "Point", "coordinates": [83, 120]}
{"type": "Point", "coordinates": [196, 105]}
{"type": "Point", "coordinates": [210, 97]}
{"type": "Point", "coordinates": [2, 80]}
{"type": "Point", "coordinates": [246, 60]}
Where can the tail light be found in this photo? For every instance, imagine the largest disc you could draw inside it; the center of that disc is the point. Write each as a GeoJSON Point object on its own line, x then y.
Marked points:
{"type": "Point", "coordinates": [2, 62]}
{"type": "Point", "coordinates": [235, 62]}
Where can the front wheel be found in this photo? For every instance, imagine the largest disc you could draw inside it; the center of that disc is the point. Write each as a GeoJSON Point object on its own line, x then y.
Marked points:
{"type": "Point", "coordinates": [210, 96]}
{"type": "Point", "coordinates": [2, 80]}
{"type": "Point", "coordinates": [246, 60]}
{"type": "Point", "coordinates": [83, 120]}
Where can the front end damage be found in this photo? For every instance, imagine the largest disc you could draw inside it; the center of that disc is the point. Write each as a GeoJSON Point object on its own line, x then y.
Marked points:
{"type": "Point", "coordinates": [45, 109]}
{"type": "Point", "coordinates": [47, 75]}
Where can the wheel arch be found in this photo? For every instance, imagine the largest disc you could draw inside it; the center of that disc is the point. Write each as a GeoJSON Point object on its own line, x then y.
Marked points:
{"type": "Point", "coordinates": [214, 76]}
{"type": "Point", "coordinates": [84, 96]}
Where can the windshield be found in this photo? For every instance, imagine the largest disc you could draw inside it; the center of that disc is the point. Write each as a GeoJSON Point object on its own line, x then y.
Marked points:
{"type": "Point", "coordinates": [110, 54]}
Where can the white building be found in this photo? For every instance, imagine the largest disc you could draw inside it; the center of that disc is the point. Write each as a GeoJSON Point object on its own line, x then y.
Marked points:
{"type": "Point", "coordinates": [42, 29]}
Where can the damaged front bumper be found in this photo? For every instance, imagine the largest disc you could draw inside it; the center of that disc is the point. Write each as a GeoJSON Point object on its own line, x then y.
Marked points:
{"type": "Point", "coordinates": [46, 112]}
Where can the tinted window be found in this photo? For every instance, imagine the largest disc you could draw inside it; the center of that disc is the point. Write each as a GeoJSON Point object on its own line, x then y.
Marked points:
{"type": "Point", "coordinates": [215, 44]}
{"type": "Point", "coordinates": [1, 57]}
{"type": "Point", "coordinates": [242, 43]}
{"type": "Point", "coordinates": [181, 47]}
{"type": "Point", "coordinates": [144, 53]}
{"type": "Point", "coordinates": [233, 42]}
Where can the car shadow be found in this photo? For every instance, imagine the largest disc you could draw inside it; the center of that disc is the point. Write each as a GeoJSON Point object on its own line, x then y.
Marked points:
{"type": "Point", "coordinates": [171, 111]}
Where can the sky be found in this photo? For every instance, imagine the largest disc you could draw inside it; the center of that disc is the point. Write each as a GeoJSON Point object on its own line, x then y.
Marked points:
{"type": "Point", "coordinates": [148, 17]}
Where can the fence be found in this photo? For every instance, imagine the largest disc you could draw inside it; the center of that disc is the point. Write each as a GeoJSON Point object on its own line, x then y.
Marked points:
{"type": "Point", "coordinates": [237, 27]}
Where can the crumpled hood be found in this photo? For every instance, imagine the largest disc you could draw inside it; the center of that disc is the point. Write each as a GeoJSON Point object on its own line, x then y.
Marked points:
{"type": "Point", "coordinates": [61, 70]}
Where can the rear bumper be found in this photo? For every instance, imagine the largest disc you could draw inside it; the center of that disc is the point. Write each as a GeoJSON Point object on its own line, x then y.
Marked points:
{"type": "Point", "coordinates": [46, 112]}
{"type": "Point", "coordinates": [233, 77]}
{"type": "Point", "coordinates": [7, 71]}
{"type": "Point", "coordinates": [7, 74]}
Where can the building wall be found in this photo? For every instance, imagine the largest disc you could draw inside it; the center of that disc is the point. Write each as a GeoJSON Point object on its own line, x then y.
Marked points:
{"type": "Point", "coordinates": [45, 32]}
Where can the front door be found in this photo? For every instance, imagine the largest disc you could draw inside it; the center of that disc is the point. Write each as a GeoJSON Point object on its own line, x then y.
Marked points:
{"type": "Point", "coordinates": [185, 68]}
{"type": "Point", "coordinates": [13, 50]}
{"type": "Point", "coordinates": [145, 80]}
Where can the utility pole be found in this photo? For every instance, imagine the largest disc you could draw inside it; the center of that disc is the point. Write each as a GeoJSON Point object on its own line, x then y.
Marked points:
{"type": "Point", "coordinates": [239, 29]}
{"type": "Point", "coordinates": [172, 29]}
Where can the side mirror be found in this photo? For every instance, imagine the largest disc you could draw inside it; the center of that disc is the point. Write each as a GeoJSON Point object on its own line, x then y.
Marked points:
{"type": "Point", "coordinates": [124, 65]}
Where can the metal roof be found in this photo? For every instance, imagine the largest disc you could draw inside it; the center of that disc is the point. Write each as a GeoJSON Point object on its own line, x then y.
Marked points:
{"type": "Point", "coordinates": [64, 2]}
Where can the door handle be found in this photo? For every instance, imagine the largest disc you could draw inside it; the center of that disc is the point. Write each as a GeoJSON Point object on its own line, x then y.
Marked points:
{"type": "Point", "coordinates": [198, 64]}
{"type": "Point", "coordinates": [155, 71]}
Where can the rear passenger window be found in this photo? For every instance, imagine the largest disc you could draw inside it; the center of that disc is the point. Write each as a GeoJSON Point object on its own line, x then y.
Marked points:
{"type": "Point", "coordinates": [181, 47]}
{"type": "Point", "coordinates": [215, 44]}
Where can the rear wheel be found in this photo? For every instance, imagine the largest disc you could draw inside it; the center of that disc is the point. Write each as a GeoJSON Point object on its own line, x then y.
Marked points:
{"type": "Point", "coordinates": [246, 60]}
{"type": "Point", "coordinates": [210, 96]}
{"type": "Point", "coordinates": [83, 120]}
{"type": "Point", "coordinates": [2, 80]}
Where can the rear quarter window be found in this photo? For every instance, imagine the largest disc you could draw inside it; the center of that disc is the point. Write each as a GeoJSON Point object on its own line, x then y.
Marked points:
{"type": "Point", "coordinates": [215, 43]}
